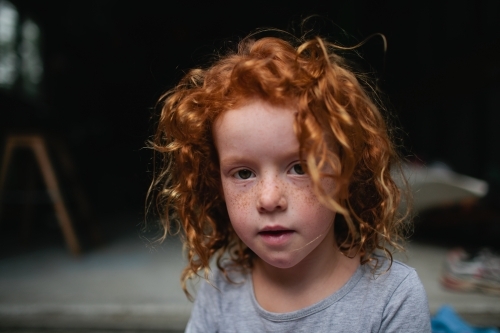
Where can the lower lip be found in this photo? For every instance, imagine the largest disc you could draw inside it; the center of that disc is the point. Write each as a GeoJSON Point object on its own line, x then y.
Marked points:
{"type": "Point", "coordinates": [277, 237]}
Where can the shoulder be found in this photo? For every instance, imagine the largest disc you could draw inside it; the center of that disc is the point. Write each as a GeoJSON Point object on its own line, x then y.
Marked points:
{"type": "Point", "coordinates": [223, 283]}
{"type": "Point", "coordinates": [219, 299]}
{"type": "Point", "coordinates": [389, 299]}
{"type": "Point", "coordinates": [219, 286]}
{"type": "Point", "coordinates": [396, 267]}
{"type": "Point", "coordinates": [404, 274]}
{"type": "Point", "coordinates": [405, 282]}
{"type": "Point", "coordinates": [389, 274]}
{"type": "Point", "coordinates": [405, 301]}
{"type": "Point", "coordinates": [393, 281]}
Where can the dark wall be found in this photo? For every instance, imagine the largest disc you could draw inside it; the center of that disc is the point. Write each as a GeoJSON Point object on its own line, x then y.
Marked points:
{"type": "Point", "coordinates": [107, 62]}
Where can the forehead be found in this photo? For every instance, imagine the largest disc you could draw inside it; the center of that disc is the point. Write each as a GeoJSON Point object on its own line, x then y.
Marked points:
{"type": "Point", "coordinates": [256, 121]}
{"type": "Point", "coordinates": [255, 113]}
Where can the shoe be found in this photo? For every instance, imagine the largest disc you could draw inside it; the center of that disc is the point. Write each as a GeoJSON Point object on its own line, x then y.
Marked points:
{"type": "Point", "coordinates": [472, 271]}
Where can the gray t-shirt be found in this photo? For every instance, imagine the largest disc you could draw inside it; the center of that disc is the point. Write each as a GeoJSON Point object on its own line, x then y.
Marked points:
{"type": "Point", "coordinates": [394, 301]}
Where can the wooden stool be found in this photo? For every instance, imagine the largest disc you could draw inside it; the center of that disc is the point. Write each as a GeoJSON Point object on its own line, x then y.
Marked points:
{"type": "Point", "coordinates": [37, 144]}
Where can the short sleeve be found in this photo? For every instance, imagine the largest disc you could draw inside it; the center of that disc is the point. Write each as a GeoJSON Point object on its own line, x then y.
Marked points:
{"type": "Point", "coordinates": [205, 310]}
{"type": "Point", "coordinates": [408, 308]}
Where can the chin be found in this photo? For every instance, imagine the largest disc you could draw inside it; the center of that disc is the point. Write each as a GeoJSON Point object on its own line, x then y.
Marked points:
{"type": "Point", "coordinates": [280, 262]}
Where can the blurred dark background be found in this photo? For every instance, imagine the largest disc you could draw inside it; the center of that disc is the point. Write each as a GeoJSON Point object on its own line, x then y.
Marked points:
{"type": "Point", "coordinates": [103, 64]}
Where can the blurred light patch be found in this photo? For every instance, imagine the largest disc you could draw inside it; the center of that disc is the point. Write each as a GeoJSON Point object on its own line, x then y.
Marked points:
{"type": "Point", "coordinates": [8, 36]}
{"type": "Point", "coordinates": [31, 60]}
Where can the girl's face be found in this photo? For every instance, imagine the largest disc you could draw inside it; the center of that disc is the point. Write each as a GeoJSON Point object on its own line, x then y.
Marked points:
{"type": "Point", "coordinates": [269, 198]}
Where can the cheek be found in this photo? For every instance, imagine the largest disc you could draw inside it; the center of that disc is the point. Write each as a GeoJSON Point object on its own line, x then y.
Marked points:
{"type": "Point", "coordinates": [237, 201]}
{"type": "Point", "coordinates": [328, 185]}
{"type": "Point", "coordinates": [238, 208]}
{"type": "Point", "coordinates": [309, 198]}
{"type": "Point", "coordinates": [305, 197]}
{"type": "Point", "coordinates": [308, 203]}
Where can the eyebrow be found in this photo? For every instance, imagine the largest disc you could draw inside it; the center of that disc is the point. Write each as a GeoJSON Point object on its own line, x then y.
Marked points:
{"type": "Point", "coordinates": [240, 158]}
{"type": "Point", "coordinates": [234, 159]}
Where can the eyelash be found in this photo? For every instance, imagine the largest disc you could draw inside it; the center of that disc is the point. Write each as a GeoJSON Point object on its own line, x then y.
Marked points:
{"type": "Point", "coordinates": [237, 174]}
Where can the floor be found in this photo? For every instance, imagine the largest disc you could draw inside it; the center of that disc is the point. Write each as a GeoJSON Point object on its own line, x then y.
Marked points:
{"type": "Point", "coordinates": [128, 285]}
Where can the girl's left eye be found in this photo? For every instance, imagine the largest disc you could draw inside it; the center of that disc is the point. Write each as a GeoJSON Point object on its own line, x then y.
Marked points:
{"type": "Point", "coordinates": [297, 169]}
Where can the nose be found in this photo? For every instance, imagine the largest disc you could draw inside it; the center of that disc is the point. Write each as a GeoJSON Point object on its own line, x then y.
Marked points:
{"type": "Point", "coordinates": [272, 195]}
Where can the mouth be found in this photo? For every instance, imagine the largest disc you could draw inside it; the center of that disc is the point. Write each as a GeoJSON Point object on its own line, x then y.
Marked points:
{"type": "Point", "coordinates": [274, 229]}
{"type": "Point", "coordinates": [276, 235]}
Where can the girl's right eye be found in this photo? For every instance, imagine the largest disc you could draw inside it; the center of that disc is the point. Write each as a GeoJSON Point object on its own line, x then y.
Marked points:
{"type": "Point", "coordinates": [243, 174]}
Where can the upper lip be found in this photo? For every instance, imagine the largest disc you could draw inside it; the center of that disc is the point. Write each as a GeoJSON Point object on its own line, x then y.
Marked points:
{"type": "Point", "coordinates": [274, 228]}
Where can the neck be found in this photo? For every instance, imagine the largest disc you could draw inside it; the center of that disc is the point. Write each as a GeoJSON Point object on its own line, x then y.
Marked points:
{"type": "Point", "coordinates": [316, 277]}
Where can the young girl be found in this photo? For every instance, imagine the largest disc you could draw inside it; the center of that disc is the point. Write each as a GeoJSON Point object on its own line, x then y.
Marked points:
{"type": "Point", "coordinates": [278, 165]}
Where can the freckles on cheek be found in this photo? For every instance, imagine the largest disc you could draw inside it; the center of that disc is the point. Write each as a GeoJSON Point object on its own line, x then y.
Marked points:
{"type": "Point", "coordinates": [309, 202]}
{"type": "Point", "coordinates": [239, 215]}
{"type": "Point", "coordinates": [237, 204]}
{"type": "Point", "coordinates": [328, 186]}
{"type": "Point", "coordinates": [308, 197]}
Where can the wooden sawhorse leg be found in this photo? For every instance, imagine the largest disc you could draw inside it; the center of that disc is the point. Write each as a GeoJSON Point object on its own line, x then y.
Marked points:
{"type": "Point", "coordinates": [37, 144]}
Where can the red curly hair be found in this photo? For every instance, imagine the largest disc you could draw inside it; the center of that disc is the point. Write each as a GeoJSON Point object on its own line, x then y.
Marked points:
{"type": "Point", "coordinates": [337, 124]}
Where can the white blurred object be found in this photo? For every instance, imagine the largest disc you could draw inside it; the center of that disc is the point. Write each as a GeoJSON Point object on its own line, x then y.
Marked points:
{"type": "Point", "coordinates": [437, 185]}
